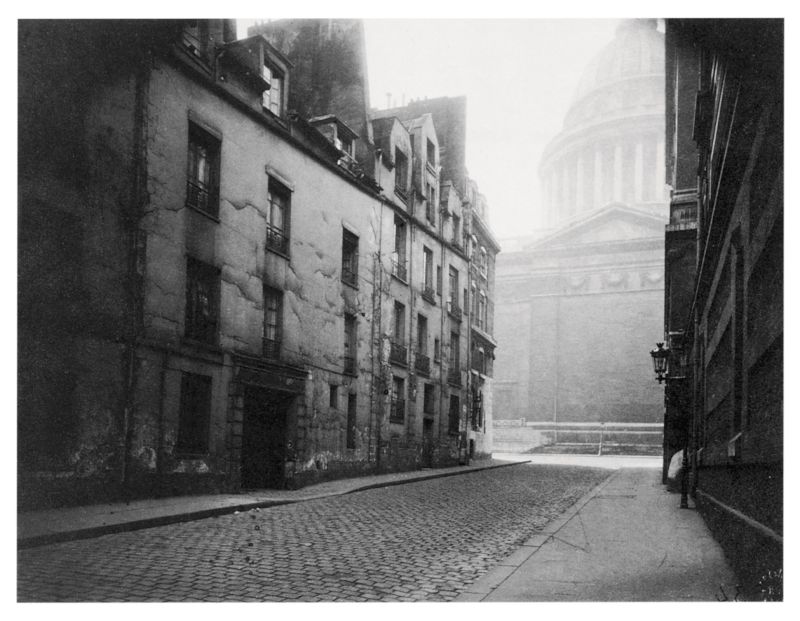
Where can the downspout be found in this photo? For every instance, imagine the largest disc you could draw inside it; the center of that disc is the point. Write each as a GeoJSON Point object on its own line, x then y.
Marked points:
{"type": "Point", "coordinates": [135, 268]}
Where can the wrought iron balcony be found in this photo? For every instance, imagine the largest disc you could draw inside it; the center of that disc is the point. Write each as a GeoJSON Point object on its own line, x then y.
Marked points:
{"type": "Point", "coordinates": [398, 353]}
{"type": "Point", "coordinates": [201, 197]}
{"type": "Point", "coordinates": [277, 241]}
{"type": "Point", "coordinates": [350, 365]}
{"type": "Point", "coordinates": [429, 294]}
{"type": "Point", "coordinates": [454, 310]}
{"type": "Point", "coordinates": [399, 269]}
{"type": "Point", "coordinates": [272, 349]}
{"type": "Point", "coordinates": [422, 364]}
{"type": "Point", "coordinates": [397, 414]}
{"type": "Point", "coordinates": [454, 377]}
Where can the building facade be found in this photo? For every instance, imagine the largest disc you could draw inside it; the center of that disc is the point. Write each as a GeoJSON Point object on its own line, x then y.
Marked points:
{"type": "Point", "coordinates": [240, 299]}
{"type": "Point", "coordinates": [469, 252]}
{"type": "Point", "coordinates": [724, 321]}
{"type": "Point", "coordinates": [580, 299]}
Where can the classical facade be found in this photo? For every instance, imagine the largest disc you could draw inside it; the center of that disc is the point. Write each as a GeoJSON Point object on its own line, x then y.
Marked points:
{"type": "Point", "coordinates": [580, 300]}
{"type": "Point", "coordinates": [724, 301]}
{"type": "Point", "coordinates": [216, 291]}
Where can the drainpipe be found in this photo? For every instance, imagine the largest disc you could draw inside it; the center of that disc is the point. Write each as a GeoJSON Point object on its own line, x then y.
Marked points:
{"type": "Point", "coordinates": [135, 265]}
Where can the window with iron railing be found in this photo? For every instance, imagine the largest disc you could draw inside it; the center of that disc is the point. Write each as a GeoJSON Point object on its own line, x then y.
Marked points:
{"type": "Point", "coordinates": [278, 199]}
{"type": "Point", "coordinates": [349, 258]}
{"type": "Point", "coordinates": [399, 269]}
{"type": "Point", "coordinates": [202, 184]}
{"type": "Point", "coordinates": [454, 377]}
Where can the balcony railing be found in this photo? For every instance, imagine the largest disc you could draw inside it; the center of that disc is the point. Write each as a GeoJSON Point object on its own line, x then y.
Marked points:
{"type": "Point", "coordinates": [454, 377]}
{"type": "Point", "coordinates": [429, 294]}
{"type": "Point", "coordinates": [277, 241]}
{"type": "Point", "coordinates": [422, 364]}
{"type": "Point", "coordinates": [350, 365]}
{"type": "Point", "coordinates": [349, 276]}
{"type": "Point", "coordinates": [199, 196]}
{"type": "Point", "coordinates": [398, 353]}
{"type": "Point", "coordinates": [454, 310]}
{"type": "Point", "coordinates": [272, 349]}
{"type": "Point", "coordinates": [399, 270]}
{"type": "Point", "coordinates": [397, 414]}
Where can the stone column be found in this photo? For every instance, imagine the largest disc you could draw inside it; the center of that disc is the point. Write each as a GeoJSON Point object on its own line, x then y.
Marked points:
{"type": "Point", "coordinates": [565, 185]}
{"type": "Point", "coordinates": [579, 198]}
{"type": "Point", "coordinates": [618, 173]}
{"type": "Point", "coordinates": [660, 171]}
{"type": "Point", "coordinates": [598, 177]}
{"type": "Point", "coordinates": [638, 171]}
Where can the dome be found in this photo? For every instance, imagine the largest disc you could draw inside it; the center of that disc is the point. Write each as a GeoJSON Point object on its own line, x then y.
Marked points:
{"type": "Point", "coordinates": [634, 56]}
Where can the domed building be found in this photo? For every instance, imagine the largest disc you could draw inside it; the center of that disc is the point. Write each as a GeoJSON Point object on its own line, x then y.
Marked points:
{"type": "Point", "coordinates": [581, 303]}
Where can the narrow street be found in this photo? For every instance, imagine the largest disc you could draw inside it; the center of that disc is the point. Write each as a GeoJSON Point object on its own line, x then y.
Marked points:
{"type": "Point", "coordinates": [424, 541]}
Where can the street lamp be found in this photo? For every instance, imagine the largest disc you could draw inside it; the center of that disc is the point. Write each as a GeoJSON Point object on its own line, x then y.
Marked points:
{"type": "Point", "coordinates": [661, 367]}
{"type": "Point", "coordinates": [660, 356]}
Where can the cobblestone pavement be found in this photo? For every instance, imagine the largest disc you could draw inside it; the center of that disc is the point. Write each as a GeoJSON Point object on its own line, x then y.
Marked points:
{"type": "Point", "coordinates": [424, 541]}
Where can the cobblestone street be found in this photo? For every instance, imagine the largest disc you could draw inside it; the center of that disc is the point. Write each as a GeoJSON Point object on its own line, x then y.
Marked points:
{"type": "Point", "coordinates": [424, 541]}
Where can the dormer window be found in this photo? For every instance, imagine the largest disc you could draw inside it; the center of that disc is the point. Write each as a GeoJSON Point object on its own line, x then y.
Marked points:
{"type": "Point", "coordinates": [273, 98]}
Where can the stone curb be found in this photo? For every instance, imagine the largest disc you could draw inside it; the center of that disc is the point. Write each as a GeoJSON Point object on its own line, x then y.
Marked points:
{"type": "Point", "coordinates": [164, 520]}
{"type": "Point", "coordinates": [488, 582]}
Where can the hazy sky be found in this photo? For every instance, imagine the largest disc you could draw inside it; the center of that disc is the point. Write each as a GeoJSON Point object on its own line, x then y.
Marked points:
{"type": "Point", "coordinates": [519, 77]}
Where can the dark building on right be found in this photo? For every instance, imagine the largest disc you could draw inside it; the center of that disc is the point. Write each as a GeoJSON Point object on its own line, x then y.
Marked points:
{"type": "Point", "coordinates": [723, 318]}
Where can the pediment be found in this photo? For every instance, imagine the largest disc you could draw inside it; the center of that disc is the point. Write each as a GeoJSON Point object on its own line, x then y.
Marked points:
{"type": "Point", "coordinates": [614, 223]}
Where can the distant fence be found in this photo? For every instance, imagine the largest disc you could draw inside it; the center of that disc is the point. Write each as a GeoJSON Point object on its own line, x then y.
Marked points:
{"type": "Point", "coordinates": [518, 436]}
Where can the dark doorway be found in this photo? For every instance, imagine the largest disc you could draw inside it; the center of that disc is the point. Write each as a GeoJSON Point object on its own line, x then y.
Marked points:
{"type": "Point", "coordinates": [264, 437]}
{"type": "Point", "coordinates": [427, 442]}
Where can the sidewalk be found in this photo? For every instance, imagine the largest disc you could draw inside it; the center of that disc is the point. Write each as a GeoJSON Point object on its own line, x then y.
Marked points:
{"type": "Point", "coordinates": [626, 540]}
{"type": "Point", "coordinates": [35, 528]}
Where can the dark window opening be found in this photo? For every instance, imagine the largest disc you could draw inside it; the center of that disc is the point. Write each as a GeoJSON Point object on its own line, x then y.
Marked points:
{"type": "Point", "coordinates": [273, 310]}
{"type": "Point", "coordinates": [195, 415]}
{"type": "Point", "coordinates": [202, 301]}
{"type": "Point", "coordinates": [349, 258]}
{"type": "Point", "coordinates": [278, 210]}
{"type": "Point", "coordinates": [351, 421]}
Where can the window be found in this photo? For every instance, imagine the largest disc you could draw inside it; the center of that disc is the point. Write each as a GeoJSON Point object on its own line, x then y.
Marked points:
{"type": "Point", "coordinates": [422, 363]}
{"type": "Point", "coordinates": [427, 265]}
{"type": "Point", "coordinates": [398, 410]}
{"type": "Point", "coordinates": [484, 262]}
{"type": "Point", "coordinates": [273, 98]}
{"type": "Point", "coordinates": [400, 171]}
{"type": "Point", "coordinates": [456, 231]}
{"type": "Point", "coordinates": [431, 153]}
{"type": "Point", "coordinates": [333, 396]}
{"type": "Point", "coordinates": [437, 349]}
{"type": "Point", "coordinates": [273, 310]}
{"type": "Point", "coordinates": [349, 258]}
{"type": "Point", "coordinates": [439, 279]}
{"type": "Point", "coordinates": [278, 198]}
{"type": "Point", "coordinates": [350, 344]}
{"type": "Point", "coordinates": [399, 322]}
{"type": "Point", "coordinates": [482, 306]}
{"type": "Point", "coordinates": [195, 414]}
{"type": "Point", "coordinates": [351, 421]}
{"type": "Point", "coordinates": [399, 258]}
{"type": "Point", "coordinates": [422, 334]}
{"type": "Point", "coordinates": [453, 417]}
{"type": "Point", "coordinates": [202, 301]}
{"type": "Point", "coordinates": [202, 186]}
{"type": "Point", "coordinates": [428, 400]}
{"type": "Point", "coordinates": [453, 286]}
{"type": "Point", "coordinates": [454, 350]}
{"type": "Point", "coordinates": [398, 352]}
{"type": "Point", "coordinates": [430, 208]}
